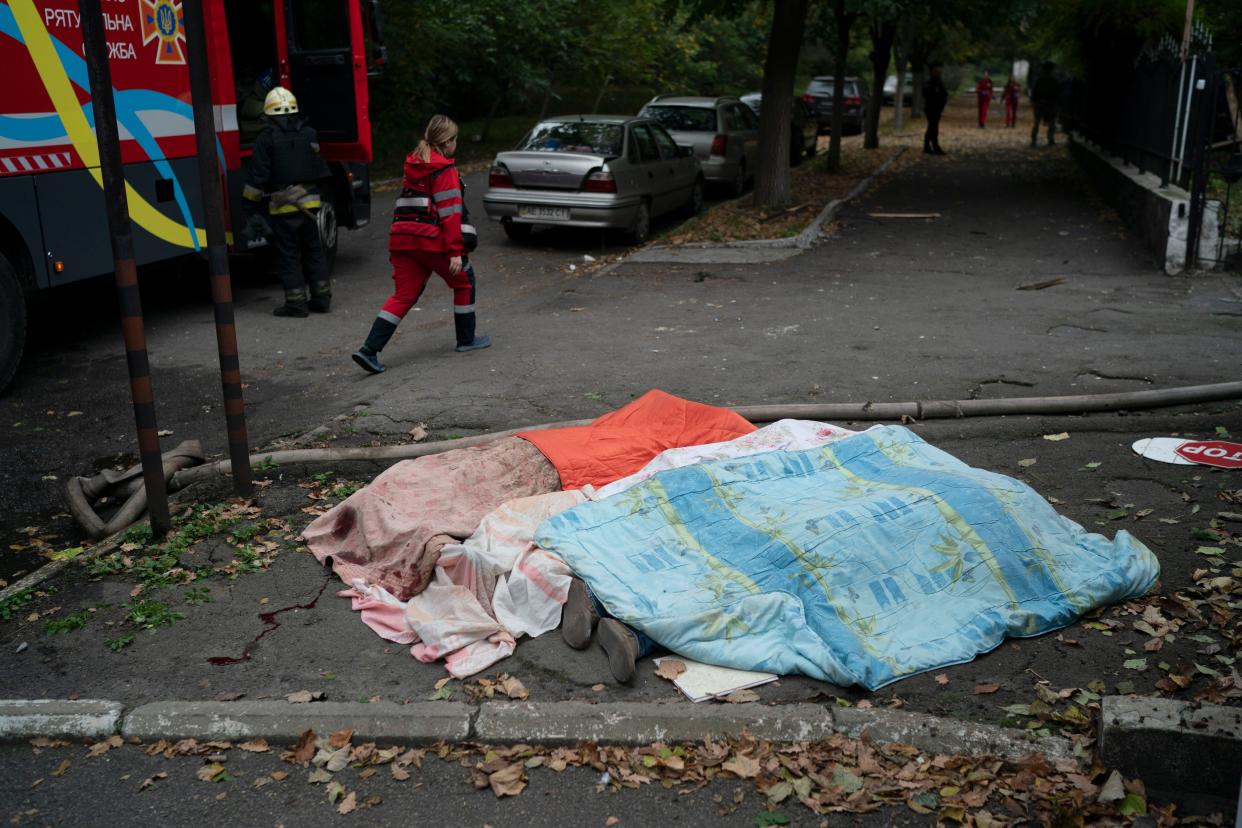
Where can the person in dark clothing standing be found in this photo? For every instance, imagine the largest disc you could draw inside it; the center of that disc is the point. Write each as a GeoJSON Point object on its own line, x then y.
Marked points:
{"type": "Point", "coordinates": [283, 170]}
{"type": "Point", "coordinates": [935, 96]}
{"type": "Point", "coordinates": [1044, 96]}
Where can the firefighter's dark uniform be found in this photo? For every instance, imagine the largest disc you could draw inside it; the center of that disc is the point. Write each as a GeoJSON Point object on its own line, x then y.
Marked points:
{"type": "Point", "coordinates": [935, 97]}
{"type": "Point", "coordinates": [284, 169]}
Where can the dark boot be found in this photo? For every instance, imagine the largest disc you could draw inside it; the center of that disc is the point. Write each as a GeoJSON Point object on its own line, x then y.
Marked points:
{"type": "Point", "coordinates": [578, 618]}
{"type": "Point", "coordinates": [621, 646]}
{"type": "Point", "coordinates": [320, 297]}
{"type": "Point", "coordinates": [466, 339]}
{"type": "Point", "coordinates": [382, 329]}
{"type": "Point", "coordinates": [295, 305]}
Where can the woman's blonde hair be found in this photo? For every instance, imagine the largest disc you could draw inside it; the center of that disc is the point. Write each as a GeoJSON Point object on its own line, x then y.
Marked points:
{"type": "Point", "coordinates": [440, 130]}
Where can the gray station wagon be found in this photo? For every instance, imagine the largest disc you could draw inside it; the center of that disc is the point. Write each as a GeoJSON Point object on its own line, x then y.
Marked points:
{"type": "Point", "coordinates": [723, 131]}
{"type": "Point", "coordinates": [604, 171]}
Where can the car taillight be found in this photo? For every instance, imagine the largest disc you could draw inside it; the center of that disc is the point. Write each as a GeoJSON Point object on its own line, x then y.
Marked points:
{"type": "Point", "coordinates": [853, 101]}
{"type": "Point", "coordinates": [808, 98]}
{"type": "Point", "coordinates": [720, 145]}
{"type": "Point", "coordinates": [498, 178]}
{"type": "Point", "coordinates": [600, 181]}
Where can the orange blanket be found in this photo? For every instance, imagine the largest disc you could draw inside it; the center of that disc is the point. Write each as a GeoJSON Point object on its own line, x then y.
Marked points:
{"type": "Point", "coordinates": [623, 441]}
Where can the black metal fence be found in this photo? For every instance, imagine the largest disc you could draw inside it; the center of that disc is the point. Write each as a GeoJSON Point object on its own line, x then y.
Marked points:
{"type": "Point", "coordinates": [1146, 111]}
{"type": "Point", "coordinates": [1215, 226]}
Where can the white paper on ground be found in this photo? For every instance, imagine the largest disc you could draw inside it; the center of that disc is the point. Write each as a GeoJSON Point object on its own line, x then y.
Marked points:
{"type": "Point", "coordinates": [706, 681]}
{"type": "Point", "coordinates": [1163, 449]}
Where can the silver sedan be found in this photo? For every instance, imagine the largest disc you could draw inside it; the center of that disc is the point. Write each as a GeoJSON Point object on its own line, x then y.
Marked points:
{"type": "Point", "coordinates": [604, 171]}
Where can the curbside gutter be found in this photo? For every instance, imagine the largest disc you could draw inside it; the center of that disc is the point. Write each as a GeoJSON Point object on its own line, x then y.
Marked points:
{"type": "Point", "coordinates": [622, 723]}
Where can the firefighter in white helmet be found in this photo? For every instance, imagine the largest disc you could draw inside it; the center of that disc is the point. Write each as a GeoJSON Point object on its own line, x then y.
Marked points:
{"type": "Point", "coordinates": [283, 172]}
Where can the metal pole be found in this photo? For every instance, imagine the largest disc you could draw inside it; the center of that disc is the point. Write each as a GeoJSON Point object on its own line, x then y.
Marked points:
{"type": "Point", "coordinates": [210, 185]}
{"type": "Point", "coordinates": [1191, 87]}
{"type": "Point", "coordinates": [95, 50]}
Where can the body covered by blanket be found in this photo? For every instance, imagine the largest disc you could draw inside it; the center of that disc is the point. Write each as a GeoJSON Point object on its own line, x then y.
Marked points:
{"type": "Point", "coordinates": [859, 562]}
{"type": "Point", "coordinates": [622, 441]}
{"type": "Point", "coordinates": [390, 533]}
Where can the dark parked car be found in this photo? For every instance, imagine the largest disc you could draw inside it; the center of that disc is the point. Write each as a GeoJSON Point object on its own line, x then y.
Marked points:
{"type": "Point", "coordinates": [803, 127]}
{"type": "Point", "coordinates": [819, 97]}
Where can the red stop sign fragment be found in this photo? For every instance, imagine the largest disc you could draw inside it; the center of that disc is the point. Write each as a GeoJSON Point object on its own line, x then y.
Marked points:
{"type": "Point", "coordinates": [1212, 453]}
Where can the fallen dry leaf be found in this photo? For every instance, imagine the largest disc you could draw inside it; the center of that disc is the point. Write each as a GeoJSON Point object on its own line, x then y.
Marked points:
{"type": "Point", "coordinates": [742, 697]}
{"type": "Point", "coordinates": [743, 767]}
{"type": "Point", "coordinates": [100, 748]}
{"type": "Point", "coordinates": [399, 773]}
{"type": "Point", "coordinates": [151, 780]}
{"type": "Point", "coordinates": [61, 768]}
{"type": "Point", "coordinates": [984, 689]}
{"type": "Point", "coordinates": [341, 738]}
{"type": "Point", "coordinates": [597, 687]}
{"type": "Point", "coordinates": [1055, 438]}
{"type": "Point", "coordinates": [305, 748]}
{"type": "Point", "coordinates": [255, 746]}
{"type": "Point", "coordinates": [514, 689]}
{"type": "Point", "coordinates": [279, 775]}
{"type": "Point", "coordinates": [508, 781]}
{"type": "Point", "coordinates": [348, 804]}
{"type": "Point", "coordinates": [300, 697]}
{"type": "Point", "coordinates": [318, 776]}
{"type": "Point", "coordinates": [226, 697]}
{"type": "Point", "coordinates": [419, 433]}
{"type": "Point", "coordinates": [670, 668]}
{"type": "Point", "coordinates": [208, 773]}
{"type": "Point", "coordinates": [338, 760]}
{"type": "Point", "coordinates": [611, 821]}
{"type": "Point", "coordinates": [942, 679]}
{"type": "Point", "coordinates": [440, 684]}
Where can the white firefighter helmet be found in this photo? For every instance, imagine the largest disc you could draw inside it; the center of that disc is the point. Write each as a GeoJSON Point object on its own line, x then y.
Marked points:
{"type": "Point", "coordinates": [280, 101]}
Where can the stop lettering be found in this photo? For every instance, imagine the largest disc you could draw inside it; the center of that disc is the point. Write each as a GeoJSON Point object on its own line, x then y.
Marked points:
{"type": "Point", "coordinates": [1212, 453]}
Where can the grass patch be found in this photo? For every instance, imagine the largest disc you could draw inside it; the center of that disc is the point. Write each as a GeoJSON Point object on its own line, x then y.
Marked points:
{"type": "Point", "coordinates": [11, 605]}
{"type": "Point", "coordinates": [119, 643]}
{"type": "Point", "coordinates": [68, 623]}
{"type": "Point", "coordinates": [150, 615]}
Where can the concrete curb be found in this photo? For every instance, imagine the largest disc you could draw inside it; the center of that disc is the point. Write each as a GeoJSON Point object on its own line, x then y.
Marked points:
{"type": "Point", "coordinates": [1186, 745]}
{"type": "Point", "coordinates": [810, 234]}
{"type": "Point", "coordinates": [625, 723]}
{"type": "Point", "coordinates": [82, 719]}
{"type": "Point", "coordinates": [632, 723]}
{"type": "Point", "coordinates": [420, 722]}
{"type": "Point", "coordinates": [808, 238]}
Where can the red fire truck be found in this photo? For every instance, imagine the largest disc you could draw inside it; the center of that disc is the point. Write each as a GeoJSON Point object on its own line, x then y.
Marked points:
{"type": "Point", "coordinates": [53, 228]}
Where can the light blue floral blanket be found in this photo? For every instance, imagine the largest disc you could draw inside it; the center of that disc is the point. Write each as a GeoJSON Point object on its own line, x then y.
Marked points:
{"type": "Point", "coordinates": [859, 562]}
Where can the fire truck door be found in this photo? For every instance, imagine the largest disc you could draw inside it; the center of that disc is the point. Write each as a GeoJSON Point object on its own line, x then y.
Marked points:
{"type": "Point", "coordinates": [328, 74]}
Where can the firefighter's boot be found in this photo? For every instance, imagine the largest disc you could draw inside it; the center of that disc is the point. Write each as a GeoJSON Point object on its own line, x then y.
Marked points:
{"type": "Point", "coordinates": [320, 296]}
{"type": "Point", "coordinates": [295, 305]}
{"type": "Point", "coordinates": [467, 340]}
{"type": "Point", "coordinates": [382, 329]}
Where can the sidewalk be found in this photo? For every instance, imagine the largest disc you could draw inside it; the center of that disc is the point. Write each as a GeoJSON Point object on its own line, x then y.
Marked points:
{"type": "Point", "coordinates": [888, 310]}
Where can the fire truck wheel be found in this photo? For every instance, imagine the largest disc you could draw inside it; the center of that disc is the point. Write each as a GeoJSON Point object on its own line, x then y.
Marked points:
{"type": "Point", "coordinates": [329, 234]}
{"type": "Point", "coordinates": [12, 322]}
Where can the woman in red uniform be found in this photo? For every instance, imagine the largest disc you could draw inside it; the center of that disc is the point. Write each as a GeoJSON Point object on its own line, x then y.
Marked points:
{"type": "Point", "coordinates": [426, 238]}
{"type": "Point", "coordinates": [1011, 94]}
{"type": "Point", "coordinates": [983, 94]}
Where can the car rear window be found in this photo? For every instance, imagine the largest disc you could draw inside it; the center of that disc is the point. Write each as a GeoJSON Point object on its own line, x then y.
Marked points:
{"type": "Point", "coordinates": [574, 136]}
{"type": "Point", "coordinates": [682, 118]}
{"type": "Point", "coordinates": [825, 87]}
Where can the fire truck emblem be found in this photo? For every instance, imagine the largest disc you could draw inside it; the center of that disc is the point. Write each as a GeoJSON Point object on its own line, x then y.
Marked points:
{"type": "Point", "coordinates": [164, 21]}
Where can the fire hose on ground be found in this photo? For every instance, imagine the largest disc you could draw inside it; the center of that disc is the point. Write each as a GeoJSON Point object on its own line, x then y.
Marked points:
{"type": "Point", "coordinates": [183, 465]}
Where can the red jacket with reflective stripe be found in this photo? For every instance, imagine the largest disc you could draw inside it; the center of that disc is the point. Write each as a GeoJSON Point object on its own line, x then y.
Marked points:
{"type": "Point", "coordinates": [427, 215]}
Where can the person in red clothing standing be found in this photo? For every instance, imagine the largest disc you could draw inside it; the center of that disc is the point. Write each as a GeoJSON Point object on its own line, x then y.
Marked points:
{"type": "Point", "coordinates": [426, 237]}
{"type": "Point", "coordinates": [983, 94]}
{"type": "Point", "coordinates": [1011, 94]}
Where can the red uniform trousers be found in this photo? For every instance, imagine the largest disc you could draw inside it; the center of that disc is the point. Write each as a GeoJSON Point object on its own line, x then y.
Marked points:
{"type": "Point", "coordinates": [984, 103]}
{"type": "Point", "coordinates": [1011, 112]}
{"type": "Point", "coordinates": [410, 271]}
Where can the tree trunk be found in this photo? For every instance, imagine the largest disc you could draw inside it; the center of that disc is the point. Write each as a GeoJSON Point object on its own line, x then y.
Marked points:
{"type": "Point", "coordinates": [901, 58]}
{"type": "Point", "coordinates": [772, 187]}
{"type": "Point", "coordinates": [899, 98]}
{"type": "Point", "coordinates": [882, 34]}
{"type": "Point", "coordinates": [603, 88]}
{"type": "Point", "coordinates": [844, 21]}
{"type": "Point", "coordinates": [916, 100]}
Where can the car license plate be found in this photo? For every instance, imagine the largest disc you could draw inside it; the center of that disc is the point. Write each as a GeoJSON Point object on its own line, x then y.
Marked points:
{"type": "Point", "coordinates": [545, 213]}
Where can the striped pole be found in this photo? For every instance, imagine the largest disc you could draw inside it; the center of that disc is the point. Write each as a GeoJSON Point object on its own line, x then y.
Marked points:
{"type": "Point", "coordinates": [96, 53]}
{"type": "Point", "coordinates": [210, 185]}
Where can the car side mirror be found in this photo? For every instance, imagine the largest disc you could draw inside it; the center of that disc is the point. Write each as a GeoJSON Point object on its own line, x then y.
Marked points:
{"type": "Point", "coordinates": [685, 152]}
